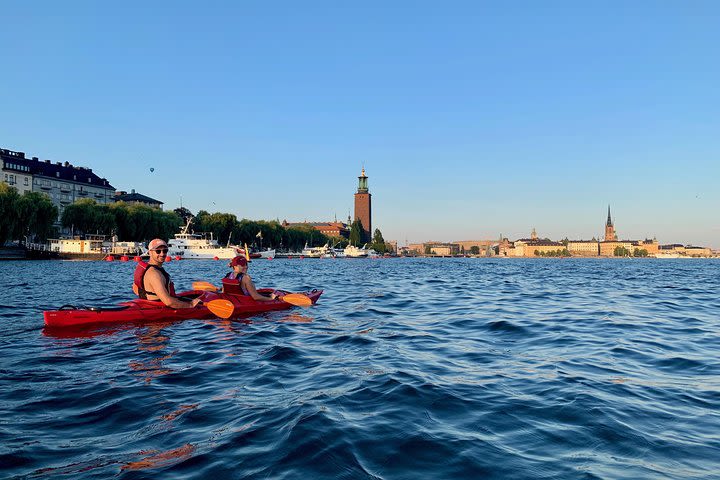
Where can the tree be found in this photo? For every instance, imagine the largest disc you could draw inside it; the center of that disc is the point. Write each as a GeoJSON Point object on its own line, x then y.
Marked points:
{"type": "Point", "coordinates": [621, 251]}
{"type": "Point", "coordinates": [475, 250]}
{"type": "Point", "coordinates": [356, 232]}
{"type": "Point", "coordinates": [378, 242]}
{"type": "Point", "coordinates": [183, 213]}
{"type": "Point", "coordinates": [8, 212]}
{"type": "Point", "coordinates": [38, 215]}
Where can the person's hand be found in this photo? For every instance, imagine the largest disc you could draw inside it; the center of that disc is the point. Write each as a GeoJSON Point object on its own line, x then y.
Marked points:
{"type": "Point", "coordinates": [195, 302]}
{"type": "Point", "coordinates": [273, 296]}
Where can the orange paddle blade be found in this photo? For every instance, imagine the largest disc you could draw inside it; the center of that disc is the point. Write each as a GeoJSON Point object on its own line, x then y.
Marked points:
{"type": "Point", "coordinates": [297, 299]}
{"type": "Point", "coordinates": [221, 308]}
{"type": "Point", "coordinates": [135, 290]}
{"type": "Point", "coordinates": [207, 286]}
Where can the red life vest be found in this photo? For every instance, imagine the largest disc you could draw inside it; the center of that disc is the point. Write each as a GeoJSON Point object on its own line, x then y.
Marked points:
{"type": "Point", "coordinates": [233, 285]}
{"type": "Point", "coordinates": [139, 280]}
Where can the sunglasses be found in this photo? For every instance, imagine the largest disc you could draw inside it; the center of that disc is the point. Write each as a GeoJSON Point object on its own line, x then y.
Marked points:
{"type": "Point", "coordinates": [161, 250]}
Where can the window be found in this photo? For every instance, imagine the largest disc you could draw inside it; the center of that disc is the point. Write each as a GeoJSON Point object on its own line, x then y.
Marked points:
{"type": "Point", "coordinates": [26, 181]}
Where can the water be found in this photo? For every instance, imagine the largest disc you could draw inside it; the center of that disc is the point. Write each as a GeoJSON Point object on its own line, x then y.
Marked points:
{"type": "Point", "coordinates": [406, 369]}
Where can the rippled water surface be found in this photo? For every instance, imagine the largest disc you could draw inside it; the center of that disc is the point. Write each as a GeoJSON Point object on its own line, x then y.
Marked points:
{"type": "Point", "coordinates": [405, 369]}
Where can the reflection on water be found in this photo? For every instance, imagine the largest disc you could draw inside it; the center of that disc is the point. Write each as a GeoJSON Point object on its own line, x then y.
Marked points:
{"type": "Point", "coordinates": [155, 459]}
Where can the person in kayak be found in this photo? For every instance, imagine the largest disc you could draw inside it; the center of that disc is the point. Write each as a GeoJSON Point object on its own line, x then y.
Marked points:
{"type": "Point", "coordinates": [153, 282]}
{"type": "Point", "coordinates": [239, 282]}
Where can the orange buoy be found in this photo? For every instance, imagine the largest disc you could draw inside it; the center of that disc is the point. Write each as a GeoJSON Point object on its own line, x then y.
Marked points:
{"type": "Point", "coordinates": [137, 258]}
{"type": "Point", "coordinates": [216, 258]}
{"type": "Point", "coordinates": [177, 257]}
{"type": "Point", "coordinates": [168, 258]}
{"type": "Point", "coordinates": [124, 258]}
{"type": "Point", "coordinates": [109, 258]}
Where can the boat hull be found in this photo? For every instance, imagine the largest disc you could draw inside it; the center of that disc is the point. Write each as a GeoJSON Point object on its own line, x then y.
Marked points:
{"type": "Point", "coordinates": [145, 311]}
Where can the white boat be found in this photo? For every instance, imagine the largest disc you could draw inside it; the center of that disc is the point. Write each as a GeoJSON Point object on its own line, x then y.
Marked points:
{"type": "Point", "coordinates": [315, 252]}
{"type": "Point", "coordinates": [354, 252]}
{"type": "Point", "coordinates": [667, 255]}
{"type": "Point", "coordinates": [191, 246]}
{"type": "Point", "coordinates": [333, 253]}
{"type": "Point", "coordinates": [267, 253]}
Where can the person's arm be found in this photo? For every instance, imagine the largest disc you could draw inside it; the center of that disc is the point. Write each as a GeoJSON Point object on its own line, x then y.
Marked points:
{"type": "Point", "coordinates": [250, 287]}
{"type": "Point", "coordinates": [157, 285]}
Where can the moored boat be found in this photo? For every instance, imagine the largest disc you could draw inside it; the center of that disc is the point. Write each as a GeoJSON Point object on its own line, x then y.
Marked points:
{"type": "Point", "coordinates": [198, 246]}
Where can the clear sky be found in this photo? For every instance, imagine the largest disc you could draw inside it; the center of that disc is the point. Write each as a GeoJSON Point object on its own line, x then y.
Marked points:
{"type": "Point", "coordinates": [472, 119]}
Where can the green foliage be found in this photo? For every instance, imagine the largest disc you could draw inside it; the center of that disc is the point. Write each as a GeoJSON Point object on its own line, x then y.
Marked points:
{"type": "Point", "coordinates": [8, 213]}
{"type": "Point", "coordinates": [38, 215]}
{"type": "Point", "coordinates": [428, 249]}
{"type": "Point", "coordinates": [356, 233]}
{"type": "Point", "coordinates": [378, 242]}
{"type": "Point", "coordinates": [621, 251]}
{"type": "Point", "coordinates": [640, 252]}
{"type": "Point", "coordinates": [130, 222]}
{"type": "Point", "coordinates": [31, 215]}
{"type": "Point", "coordinates": [554, 253]}
{"type": "Point", "coordinates": [475, 250]}
{"type": "Point", "coordinates": [183, 213]}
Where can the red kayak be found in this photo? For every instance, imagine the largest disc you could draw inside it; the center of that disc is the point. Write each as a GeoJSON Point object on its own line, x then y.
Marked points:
{"type": "Point", "coordinates": [142, 311]}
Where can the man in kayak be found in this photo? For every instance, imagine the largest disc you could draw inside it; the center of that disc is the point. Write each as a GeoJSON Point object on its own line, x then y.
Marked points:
{"type": "Point", "coordinates": [153, 282]}
{"type": "Point", "coordinates": [238, 281]}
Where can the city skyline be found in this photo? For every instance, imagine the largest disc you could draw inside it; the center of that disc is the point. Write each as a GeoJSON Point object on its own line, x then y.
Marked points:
{"type": "Point", "coordinates": [471, 121]}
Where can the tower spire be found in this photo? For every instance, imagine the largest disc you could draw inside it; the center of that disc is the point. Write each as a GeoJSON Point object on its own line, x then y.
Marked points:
{"type": "Point", "coordinates": [610, 234]}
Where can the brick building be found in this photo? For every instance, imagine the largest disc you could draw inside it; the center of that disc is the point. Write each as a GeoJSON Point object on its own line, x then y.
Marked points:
{"type": "Point", "coordinates": [363, 207]}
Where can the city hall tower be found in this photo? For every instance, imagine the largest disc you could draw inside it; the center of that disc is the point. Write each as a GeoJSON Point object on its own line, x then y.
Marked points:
{"type": "Point", "coordinates": [363, 210]}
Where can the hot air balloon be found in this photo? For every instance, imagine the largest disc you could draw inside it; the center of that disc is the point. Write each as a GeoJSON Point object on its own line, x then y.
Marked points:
{"type": "Point", "coordinates": [152, 169]}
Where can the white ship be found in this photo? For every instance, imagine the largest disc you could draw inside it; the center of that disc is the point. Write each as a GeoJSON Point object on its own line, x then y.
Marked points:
{"type": "Point", "coordinates": [354, 252]}
{"type": "Point", "coordinates": [191, 246]}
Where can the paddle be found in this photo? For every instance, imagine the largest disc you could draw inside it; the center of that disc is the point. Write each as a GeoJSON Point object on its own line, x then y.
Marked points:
{"type": "Point", "coordinates": [221, 308]}
{"type": "Point", "coordinates": [297, 299]}
{"type": "Point", "coordinates": [207, 286]}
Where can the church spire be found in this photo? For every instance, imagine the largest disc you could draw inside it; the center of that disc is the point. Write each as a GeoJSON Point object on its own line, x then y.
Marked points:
{"type": "Point", "coordinates": [610, 234]}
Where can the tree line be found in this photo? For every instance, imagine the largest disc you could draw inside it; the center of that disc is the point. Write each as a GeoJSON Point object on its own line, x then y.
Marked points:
{"type": "Point", "coordinates": [28, 217]}
{"type": "Point", "coordinates": [33, 217]}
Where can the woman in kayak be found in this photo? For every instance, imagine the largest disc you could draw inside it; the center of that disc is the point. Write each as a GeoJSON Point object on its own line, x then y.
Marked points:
{"type": "Point", "coordinates": [238, 281]}
{"type": "Point", "coordinates": [153, 282]}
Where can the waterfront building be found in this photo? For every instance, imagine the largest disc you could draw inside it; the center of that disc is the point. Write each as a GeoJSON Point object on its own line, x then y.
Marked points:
{"type": "Point", "coordinates": [363, 207]}
{"type": "Point", "coordinates": [15, 173]}
{"type": "Point", "coordinates": [483, 245]}
{"type": "Point", "coordinates": [138, 199]}
{"type": "Point", "coordinates": [534, 248]}
{"type": "Point", "coordinates": [584, 248]}
{"type": "Point", "coordinates": [416, 248]}
{"type": "Point", "coordinates": [442, 249]}
{"type": "Point", "coordinates": [693, 251]}
{"type": "Point", "coordinates": [331, 229]}
{"type": "Point", "coordinates": [63, 183]}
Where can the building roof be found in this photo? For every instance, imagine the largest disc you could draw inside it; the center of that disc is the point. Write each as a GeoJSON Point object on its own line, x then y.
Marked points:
{"type": "Point", "coordinates": [135, 197]}
{"type": "Point", "coordinates": [58, 170]}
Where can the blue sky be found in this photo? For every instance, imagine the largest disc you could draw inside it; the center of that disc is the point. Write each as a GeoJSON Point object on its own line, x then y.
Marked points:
{"type": "Point", "coordinates": [472, 119]}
